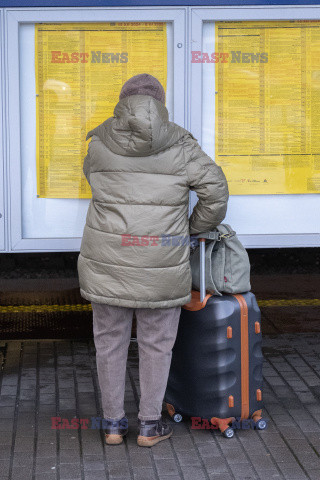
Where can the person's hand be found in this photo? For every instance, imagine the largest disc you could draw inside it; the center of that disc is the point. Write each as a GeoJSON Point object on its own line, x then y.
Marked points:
{"type": "Point", "coordinates": [194, 241]}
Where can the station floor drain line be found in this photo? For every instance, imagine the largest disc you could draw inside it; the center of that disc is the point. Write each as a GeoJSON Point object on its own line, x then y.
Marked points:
{"type": "Point", "coordinates": [86, 307]}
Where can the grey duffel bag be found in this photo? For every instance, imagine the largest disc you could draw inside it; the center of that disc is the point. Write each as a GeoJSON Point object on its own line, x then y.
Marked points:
{"type": "Point", "coordinates": [227, 265]}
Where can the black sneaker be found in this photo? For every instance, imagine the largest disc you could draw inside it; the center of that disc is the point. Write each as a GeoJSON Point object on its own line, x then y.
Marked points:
{"type": "Point", "coordinates": [114, 430]}
{"type": "Point", "coordinates": [151, 432]}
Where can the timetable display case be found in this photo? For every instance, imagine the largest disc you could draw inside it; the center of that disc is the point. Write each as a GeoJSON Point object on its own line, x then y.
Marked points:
{"type": "Point", "coordinates": [250, 112]}
{"type": "Point", "coordinates": [67, 68]}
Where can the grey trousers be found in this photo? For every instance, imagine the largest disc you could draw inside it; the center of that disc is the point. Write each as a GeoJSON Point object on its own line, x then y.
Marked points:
{"type": "Point", "coordinates": [156, 334]}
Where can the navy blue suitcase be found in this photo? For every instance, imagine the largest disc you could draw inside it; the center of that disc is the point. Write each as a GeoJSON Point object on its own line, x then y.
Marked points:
{"type": "Point", "coordinates": [216, 367]}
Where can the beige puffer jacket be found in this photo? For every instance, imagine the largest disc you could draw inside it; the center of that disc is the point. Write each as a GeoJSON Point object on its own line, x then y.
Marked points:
{"type": "Point", "coordinates": [140, 168]}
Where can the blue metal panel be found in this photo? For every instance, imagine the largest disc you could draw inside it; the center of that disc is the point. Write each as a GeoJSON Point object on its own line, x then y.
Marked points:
{"type": "Point", "coordinates": [146, 3]}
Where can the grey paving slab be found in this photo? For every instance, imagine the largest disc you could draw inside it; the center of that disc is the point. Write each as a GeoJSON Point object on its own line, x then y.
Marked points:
{"type": "Point", "coordinates": [144, 473]}
{"type": "Point", "coordinates": [166, 466]}
{"type": "Point", "coordinates": [193, 473]}
{"type": "Point", "coordinates": [95, 475]}
{"type": "Point", "coordinates": [119, 469]}
{"type": "Point", "coordinates": [45, 379]}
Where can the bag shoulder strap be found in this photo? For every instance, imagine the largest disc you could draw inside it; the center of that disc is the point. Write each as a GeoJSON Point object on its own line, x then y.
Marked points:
{"type": "Point", "coordinates": [208, 267]}
{"type": "Point", "coordinates": [214, 235]}
{"type": "Point", "coordinates": [225, 230]}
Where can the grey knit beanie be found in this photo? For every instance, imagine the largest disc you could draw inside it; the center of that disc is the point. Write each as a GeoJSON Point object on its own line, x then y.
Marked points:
{"type": "Point", "coordinates": [143, 84]}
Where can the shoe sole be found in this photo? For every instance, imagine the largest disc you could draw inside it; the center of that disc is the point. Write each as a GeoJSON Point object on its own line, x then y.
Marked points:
{"type": "Point", "coordinates": [150, 441]}
{"type": "Point", "coordinates": [113, 439]}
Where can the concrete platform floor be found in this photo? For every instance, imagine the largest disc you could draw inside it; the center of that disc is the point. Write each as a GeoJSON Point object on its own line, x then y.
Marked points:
{"type": "Point", "coordinates": [41, 379]}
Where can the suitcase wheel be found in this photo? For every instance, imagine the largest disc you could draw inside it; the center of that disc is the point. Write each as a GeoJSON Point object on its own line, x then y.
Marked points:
{"type": "Point", "coordinates": [261, 424]}
{"type": "Point", "coordinates": [228, 433]}
{"type": "Point", "coordinates": [177, 417]}
{"type": "Point", "coordinates": [224, 426]}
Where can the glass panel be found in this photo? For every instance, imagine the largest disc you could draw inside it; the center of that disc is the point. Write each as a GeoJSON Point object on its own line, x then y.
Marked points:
{"type": "Point", "coordinates": [70, 86]}
{"type": "Point", "coordinates": [260, 120]}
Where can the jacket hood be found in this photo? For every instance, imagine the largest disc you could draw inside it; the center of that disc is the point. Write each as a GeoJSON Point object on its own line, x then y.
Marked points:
{"type": "Point", "coordinates": [139, 127]}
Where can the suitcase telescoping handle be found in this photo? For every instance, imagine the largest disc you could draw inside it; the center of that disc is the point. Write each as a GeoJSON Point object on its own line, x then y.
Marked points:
{"type": "Point", "coordinates": [202, 268]}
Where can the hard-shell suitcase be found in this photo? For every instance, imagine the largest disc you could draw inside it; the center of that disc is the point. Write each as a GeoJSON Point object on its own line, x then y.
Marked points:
{"type": "Point", "coordinates": [216, 367]}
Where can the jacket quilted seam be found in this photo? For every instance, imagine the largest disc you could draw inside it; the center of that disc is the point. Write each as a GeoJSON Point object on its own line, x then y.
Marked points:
{"type": "Point", "coordinates": [148, 173]}
{"type": "Point", "coordinates": [141, 204]}
{"type": "Point", "coordinates": [135, 266]}
{"type": "Point", "coordinates": [133, 234]}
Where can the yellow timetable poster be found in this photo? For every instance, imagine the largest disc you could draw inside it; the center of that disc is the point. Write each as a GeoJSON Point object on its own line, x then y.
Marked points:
{"type": "Point", "coordinates": [267, 106]}
{"type": "Point", "coordinates": [80, 69]}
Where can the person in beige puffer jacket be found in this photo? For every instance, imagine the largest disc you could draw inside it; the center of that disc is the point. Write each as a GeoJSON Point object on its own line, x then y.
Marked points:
{"type": "Point", "coordinates": [134, 253]}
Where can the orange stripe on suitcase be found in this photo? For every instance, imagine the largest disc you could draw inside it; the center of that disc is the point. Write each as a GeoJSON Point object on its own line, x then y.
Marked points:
{"type": "Point", "coordinates": [244, 357]}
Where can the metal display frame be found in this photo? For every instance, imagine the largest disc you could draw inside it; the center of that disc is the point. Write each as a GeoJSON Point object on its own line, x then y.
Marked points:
{"type": "Point", "coordinates": [3, 195]}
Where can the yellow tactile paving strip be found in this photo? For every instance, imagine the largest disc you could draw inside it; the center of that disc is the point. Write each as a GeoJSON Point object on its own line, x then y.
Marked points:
{"type": "Point", "coordinates": [303, 302]}
{"type": "Point", "coordinates": [296, 302]}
